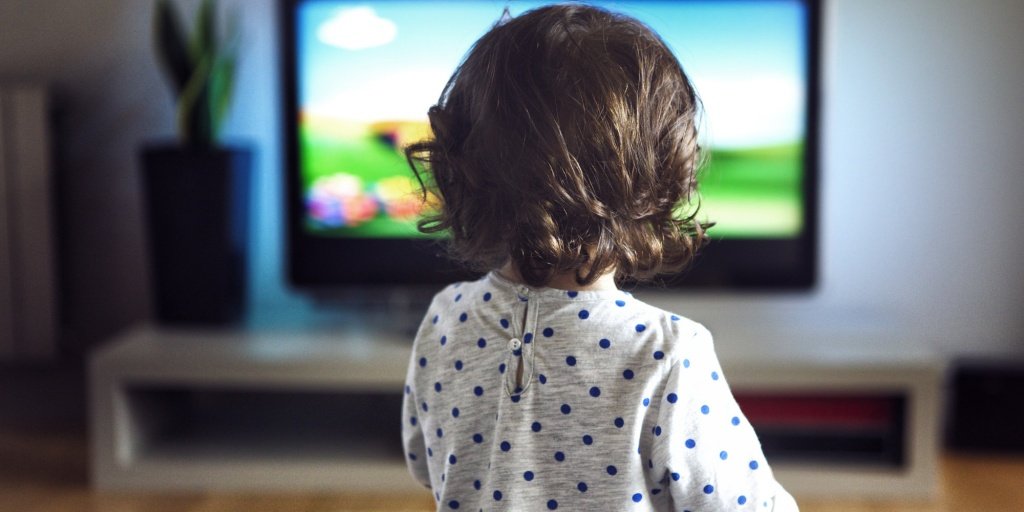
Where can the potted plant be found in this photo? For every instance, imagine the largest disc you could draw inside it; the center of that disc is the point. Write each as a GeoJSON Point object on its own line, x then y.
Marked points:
{"type": "Point", "coordinates": [196, 189]}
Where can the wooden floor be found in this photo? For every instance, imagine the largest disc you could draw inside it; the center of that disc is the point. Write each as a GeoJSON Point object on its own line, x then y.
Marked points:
{"type": "Point", "coordinates": [46, 471]}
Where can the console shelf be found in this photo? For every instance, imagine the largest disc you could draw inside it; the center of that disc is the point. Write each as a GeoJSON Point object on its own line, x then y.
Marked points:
{"type": "Point", "coordinates": [298, 410]}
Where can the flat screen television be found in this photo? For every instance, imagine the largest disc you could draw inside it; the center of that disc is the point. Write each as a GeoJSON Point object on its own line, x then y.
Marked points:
{"type": "Point", "coordinates": [359, 76]}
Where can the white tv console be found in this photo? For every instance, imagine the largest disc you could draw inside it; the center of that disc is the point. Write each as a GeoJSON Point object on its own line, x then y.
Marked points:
{"type": "Point", "coordinates": [266, 409]}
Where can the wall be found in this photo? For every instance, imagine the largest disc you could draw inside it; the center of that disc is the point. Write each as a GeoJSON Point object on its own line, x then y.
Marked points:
{"type": "Point", "coordinates": [923, 162]}
{"type": "Point", "coordinates": [923, 123]}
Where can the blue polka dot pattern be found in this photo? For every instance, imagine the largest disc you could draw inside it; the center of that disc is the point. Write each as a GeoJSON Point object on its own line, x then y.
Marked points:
{"type": "Point", "coordinates": [624, 400]}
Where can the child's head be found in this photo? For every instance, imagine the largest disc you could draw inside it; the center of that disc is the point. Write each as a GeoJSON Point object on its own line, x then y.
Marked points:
{"type": "Point", "coordinates": [566, 141]}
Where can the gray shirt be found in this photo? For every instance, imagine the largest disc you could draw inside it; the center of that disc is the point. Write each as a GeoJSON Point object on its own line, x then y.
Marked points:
{"type": "Point", "coordinates": [521, 398]}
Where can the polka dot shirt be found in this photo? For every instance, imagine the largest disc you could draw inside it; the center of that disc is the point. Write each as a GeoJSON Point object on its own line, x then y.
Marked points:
{"type": "Point", "coordinates": [522, 398]}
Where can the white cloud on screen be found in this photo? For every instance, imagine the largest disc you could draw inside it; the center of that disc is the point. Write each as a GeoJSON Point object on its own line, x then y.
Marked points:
{"type": "Point", "coordinates": [356, 28]}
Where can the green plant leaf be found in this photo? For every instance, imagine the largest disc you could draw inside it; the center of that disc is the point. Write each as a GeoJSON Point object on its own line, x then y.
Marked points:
{"type": "Point", "coordinates": [169, 42]}
{"type": "Point", "coordinates": [191, 108]}
{"type": "Point", "coordinates": [202, 70]}
{"type": "Point", "coordinates": [223, 76]}
{"type": "Point", "coordinates": [204, 36]}
{"type": "Point", "coordinates": [222, 83]}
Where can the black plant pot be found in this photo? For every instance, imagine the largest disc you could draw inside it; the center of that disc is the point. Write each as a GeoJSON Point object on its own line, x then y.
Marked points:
{"type": "Point", "coordinates": [197, 214]}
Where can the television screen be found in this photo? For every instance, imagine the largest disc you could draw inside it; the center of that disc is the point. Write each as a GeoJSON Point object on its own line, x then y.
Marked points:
{"type": "Point", "coordinates": [360, 77]}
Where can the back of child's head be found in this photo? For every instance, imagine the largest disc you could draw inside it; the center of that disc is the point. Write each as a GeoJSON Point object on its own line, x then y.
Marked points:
{"type": "Point", "coordinates": [566, 142]}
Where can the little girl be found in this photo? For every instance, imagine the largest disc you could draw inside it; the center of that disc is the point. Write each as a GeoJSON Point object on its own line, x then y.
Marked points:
{"type": "Point", "coordinates": [564, 152]}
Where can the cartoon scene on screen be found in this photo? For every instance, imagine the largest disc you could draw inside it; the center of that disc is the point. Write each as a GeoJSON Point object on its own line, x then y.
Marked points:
{"type": "Point", "coordinates": [368, 72]}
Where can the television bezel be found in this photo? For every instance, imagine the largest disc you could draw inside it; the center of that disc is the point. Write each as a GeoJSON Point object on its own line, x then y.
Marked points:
{"type": "Point", "coordinates": [321, 264]}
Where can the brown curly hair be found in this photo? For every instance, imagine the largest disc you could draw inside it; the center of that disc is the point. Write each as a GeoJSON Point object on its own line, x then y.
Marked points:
{"type": "Point", "coordinates": [566, 141]}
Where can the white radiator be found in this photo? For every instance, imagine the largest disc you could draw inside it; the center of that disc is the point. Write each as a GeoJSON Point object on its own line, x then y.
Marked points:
{"type": "Point", "coordinates": [28, 285]}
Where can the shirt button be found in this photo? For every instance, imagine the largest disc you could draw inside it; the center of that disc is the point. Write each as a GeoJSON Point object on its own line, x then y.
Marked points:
{"type": "Point", "coordinates": [515, 344]}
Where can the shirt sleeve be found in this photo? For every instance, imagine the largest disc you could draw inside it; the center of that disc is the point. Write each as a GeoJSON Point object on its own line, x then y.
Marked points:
{"type": "Point", "coordinates": [704, 452]}
{"type": "Point", "coordinates": [412, 432]}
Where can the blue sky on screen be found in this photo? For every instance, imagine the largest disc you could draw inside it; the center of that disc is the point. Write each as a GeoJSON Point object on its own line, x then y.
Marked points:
{"type": "Point", "coordinates": [389, 60]}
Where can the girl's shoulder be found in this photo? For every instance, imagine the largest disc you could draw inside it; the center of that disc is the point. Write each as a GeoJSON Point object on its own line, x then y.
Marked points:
{"type": "Point", "coordinates": [674, 331]}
